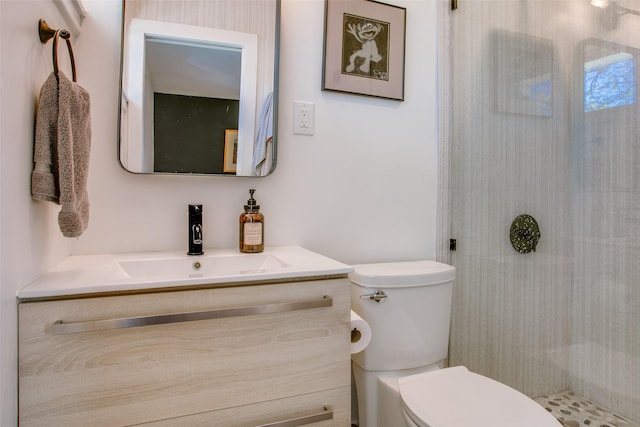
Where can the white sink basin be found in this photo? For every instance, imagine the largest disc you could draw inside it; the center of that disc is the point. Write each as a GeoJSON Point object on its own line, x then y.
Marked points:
{"type": "Point", "coordinates": [107, 273]}
{"type": "Point", "coordinates": [202, 266]}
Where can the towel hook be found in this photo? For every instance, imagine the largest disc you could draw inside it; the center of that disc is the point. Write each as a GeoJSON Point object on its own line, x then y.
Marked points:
{"type": "Point", "coordinates": [46, 33]}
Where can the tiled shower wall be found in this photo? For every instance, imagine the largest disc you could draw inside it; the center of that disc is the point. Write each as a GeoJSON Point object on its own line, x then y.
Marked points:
{"type": "Point", "coordinates": [605, 347]}
{"type": "Point", "coordinates": [568, 315]}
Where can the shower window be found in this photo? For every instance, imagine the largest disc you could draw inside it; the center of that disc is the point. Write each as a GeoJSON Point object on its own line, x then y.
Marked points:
{"type": "Point", "coordinates": [609, 78]}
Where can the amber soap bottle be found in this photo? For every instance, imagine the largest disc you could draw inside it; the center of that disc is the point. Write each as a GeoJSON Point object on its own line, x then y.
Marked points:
{"type": "Point", "coordinates": [251, 227]}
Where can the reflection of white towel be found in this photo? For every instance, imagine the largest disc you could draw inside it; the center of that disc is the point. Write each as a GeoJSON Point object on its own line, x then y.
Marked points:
{"type": "Point", "coordinates": [263, 148]}
{"type": "Point", "coordinates": [61, 152]}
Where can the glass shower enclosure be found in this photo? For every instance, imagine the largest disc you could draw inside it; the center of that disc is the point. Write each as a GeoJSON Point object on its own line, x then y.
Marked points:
{"type": "Point", "coordinates": [540, 116]}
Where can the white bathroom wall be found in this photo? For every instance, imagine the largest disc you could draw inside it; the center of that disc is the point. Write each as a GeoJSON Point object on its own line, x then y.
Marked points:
{"type": "Point", "coordinates": [362, 189]}
{"type": "Point", "coordinates": [30, 241]}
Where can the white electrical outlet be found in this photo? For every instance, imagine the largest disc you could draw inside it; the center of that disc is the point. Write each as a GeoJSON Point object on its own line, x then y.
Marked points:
{"type": "Point", "coordinates": [303, 118]}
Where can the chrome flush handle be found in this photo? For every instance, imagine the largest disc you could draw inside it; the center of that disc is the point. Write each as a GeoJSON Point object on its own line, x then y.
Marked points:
{"type": "Point", "coordinates": [377, 296]}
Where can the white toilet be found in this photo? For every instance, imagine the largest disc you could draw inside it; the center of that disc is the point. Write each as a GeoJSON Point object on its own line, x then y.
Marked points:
{"type": "Point", "coordinates": [400, 376]}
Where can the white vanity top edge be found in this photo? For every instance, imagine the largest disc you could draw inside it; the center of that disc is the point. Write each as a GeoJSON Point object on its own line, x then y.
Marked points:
{"type": "Point", "coordinates": [107, 273]}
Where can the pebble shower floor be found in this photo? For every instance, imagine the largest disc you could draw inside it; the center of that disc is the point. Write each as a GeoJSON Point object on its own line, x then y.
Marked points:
{"type": "Point", "coordinates": [573, 410]}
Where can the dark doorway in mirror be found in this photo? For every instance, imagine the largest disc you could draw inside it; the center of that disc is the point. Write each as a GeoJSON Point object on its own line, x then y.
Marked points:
{"type": "Point", "coordinates": [189, 132]}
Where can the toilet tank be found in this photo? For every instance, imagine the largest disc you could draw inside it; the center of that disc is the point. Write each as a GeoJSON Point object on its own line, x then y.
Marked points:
{"type": "Point", "coordinates": [410, 327]}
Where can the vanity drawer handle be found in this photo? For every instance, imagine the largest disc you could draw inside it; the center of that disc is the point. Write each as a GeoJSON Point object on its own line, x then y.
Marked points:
{"type": "Point", "coordinates": [60, 327]}
{"type": "Point", "coordinates": [327, 414]}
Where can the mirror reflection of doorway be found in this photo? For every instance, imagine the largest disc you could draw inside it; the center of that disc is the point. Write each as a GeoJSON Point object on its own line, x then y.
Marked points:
{"type": "Point", "coordinates": [189, 132]}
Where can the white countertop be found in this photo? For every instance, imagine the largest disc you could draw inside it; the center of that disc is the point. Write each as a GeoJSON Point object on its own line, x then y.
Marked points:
{"type": "Point", "coordinates": [94, 274]}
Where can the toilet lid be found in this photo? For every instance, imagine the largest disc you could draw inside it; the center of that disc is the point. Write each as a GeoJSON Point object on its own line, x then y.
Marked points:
{"type": "Point", "coordinates": [456, 397]}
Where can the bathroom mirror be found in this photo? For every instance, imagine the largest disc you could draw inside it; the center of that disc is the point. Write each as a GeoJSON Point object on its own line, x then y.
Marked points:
{"type": "Point", "coordinates": [199, 87]}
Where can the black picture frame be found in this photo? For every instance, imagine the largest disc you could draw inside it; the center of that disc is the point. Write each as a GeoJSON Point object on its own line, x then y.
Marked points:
{"type": "Point", "coordinates": [364, 48]}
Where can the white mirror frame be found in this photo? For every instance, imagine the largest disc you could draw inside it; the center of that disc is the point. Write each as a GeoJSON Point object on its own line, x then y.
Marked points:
{"type": "Point", "coordinates": [139, 157]}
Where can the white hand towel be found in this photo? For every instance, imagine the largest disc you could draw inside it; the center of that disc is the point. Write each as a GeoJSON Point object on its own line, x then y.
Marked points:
{"type": "Point", "coordinates": [263, 150]}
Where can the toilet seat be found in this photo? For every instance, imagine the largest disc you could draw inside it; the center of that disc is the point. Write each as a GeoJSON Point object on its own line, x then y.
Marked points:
{"type": "Point", "coordinates": [456, 397]}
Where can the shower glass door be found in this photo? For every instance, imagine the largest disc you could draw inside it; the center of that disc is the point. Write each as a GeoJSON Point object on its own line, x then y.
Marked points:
{"type": "Point", "coordinates": [543, 120]}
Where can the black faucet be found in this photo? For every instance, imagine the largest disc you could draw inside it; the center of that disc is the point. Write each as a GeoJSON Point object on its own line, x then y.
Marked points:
{"type": "Point", "coordinates": [195, 230]}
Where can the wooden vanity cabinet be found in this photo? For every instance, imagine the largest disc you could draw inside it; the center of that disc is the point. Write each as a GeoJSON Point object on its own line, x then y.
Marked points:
{"type": "Point", "coordinates": [272, 359]}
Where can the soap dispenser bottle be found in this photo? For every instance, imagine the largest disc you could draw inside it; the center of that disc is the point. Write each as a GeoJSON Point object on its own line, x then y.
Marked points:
{"type": "Point", "coordinates": [251, 227]}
